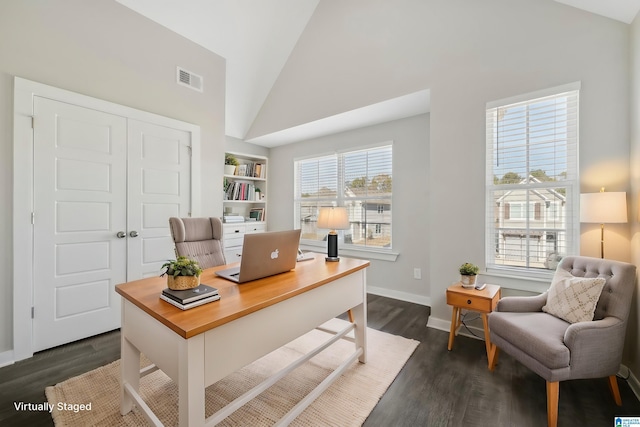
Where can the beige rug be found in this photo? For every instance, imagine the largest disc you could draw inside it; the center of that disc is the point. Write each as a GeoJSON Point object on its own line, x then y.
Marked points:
{"type": "Point", "coordinates": [347, 402]}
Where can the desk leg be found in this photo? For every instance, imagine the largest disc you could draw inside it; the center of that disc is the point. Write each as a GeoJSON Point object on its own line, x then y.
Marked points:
{"type": "Point", "coordinates": [129, 372]}
{"type": "Point", "coordinates": [487, 337]}
{"type": "Point", "coordinates": [191, 411]}
{"type": "Point", "coordinates": [359, 313]}
{"type": "Point", "coordinates": [455, 319]}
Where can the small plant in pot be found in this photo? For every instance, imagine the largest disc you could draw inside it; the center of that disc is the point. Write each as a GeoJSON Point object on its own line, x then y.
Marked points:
{"type": "Point", "coordinates": [182, 273]}
{"type": "Point", "coordinates": [230, 163]}
{"type": "Point", "coordinates": [468, 274]}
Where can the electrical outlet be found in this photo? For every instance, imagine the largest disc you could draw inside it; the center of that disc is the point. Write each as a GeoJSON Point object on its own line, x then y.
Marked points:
{"type": "Point", "coordinates": [417, 273]}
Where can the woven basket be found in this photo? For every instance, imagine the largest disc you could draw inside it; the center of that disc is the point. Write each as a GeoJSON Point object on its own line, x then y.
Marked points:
{"type": "Point", "coordinates": [179, 283]}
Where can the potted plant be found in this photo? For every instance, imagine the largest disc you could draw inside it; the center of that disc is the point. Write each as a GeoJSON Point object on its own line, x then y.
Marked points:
{"type": "Point", "coordinates": [230, 163]}
{"type": "Point", "coordinates": [468, 274]}
{"type": "Point", "coordinates": [182, 273]}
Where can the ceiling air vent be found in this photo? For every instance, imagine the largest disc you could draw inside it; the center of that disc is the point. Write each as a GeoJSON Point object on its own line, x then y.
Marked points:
{"type": "Point", "coordinates": [189, 79]}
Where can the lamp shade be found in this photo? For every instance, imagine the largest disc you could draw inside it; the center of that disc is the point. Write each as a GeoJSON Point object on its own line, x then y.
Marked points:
{"type": "Point", "coordinates": [603, 207]}
{"type": "Point", "coordinates": [335, 218]}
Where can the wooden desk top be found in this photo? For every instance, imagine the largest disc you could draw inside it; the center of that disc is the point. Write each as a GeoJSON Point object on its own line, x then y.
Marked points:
{"type": "Point", "coordinates": [235, 300]}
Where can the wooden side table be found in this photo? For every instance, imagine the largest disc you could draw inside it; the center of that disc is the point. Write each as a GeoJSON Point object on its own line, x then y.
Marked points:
{"type": "Point", "coordinates": [483, 302]}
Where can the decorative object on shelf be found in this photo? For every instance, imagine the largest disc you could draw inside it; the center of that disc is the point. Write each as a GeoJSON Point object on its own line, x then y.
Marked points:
{"type": "Point", "coordinates": [230, 163]}
{"type": "Point", "coordinates": [603, 207]}
{"type": "Point", "coordinates": [333, 218]}
{"type": "Point", "coordinates": [182, 273]}
{"type": "Point", "coordinates": [468, 274]}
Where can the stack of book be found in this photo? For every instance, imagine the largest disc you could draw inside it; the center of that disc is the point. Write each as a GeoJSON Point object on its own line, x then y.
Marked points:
{"type": "Point", "coordinates": [189, 298]}
{"type": "Point", "coordinates": [233, 218]}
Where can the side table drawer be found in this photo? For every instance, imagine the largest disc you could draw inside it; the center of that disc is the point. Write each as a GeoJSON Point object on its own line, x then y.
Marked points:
{"type": "Point", "coordinates": [470, 302]}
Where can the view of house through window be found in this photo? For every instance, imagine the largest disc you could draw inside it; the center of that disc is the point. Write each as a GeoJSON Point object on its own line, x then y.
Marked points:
{"type": "Point", "coordinates": [361, 181]}
{"type": "Point", "coordinates": [532, 181]}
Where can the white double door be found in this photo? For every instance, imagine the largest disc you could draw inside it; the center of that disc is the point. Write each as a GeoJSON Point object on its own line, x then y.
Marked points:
{"type": "Point", "coordinates": [104, 188]}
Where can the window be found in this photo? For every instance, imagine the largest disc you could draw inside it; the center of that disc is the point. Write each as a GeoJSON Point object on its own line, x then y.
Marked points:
{"type": "Point", "coordinates": [359, 180]}
{"type": "Point", "coordinates": [532, 180]}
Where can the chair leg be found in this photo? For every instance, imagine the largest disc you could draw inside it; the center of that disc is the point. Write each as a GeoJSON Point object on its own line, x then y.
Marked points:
{"type": "Point", "coordinates": [493, 357]}
{"type": "Point", "coordinates": [613, 386]}
{"type": "Point", "coordinates": [553, 389]}
{"type": "Point", "coordinates": [350, 315]}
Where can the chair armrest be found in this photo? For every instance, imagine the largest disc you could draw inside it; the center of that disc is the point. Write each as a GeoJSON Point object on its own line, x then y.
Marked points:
{"type": "Point", "coordinates": [522, 304]}
{"type": "Point", "coordinates": [596, 347]}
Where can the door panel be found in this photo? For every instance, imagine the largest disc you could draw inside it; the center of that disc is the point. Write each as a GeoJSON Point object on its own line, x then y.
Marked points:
{"type": "Point", "coordinates": [79, 206]}
{"type": "Point", "coordinates": [159, 188]}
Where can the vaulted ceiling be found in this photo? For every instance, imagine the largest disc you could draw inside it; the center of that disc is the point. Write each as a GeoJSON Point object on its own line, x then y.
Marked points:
{"type": "Point", "coordinates": [256, 38]}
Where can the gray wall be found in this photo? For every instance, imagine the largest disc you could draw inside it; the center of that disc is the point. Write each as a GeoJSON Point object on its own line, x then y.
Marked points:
{"type": "Point", "coordinates": [467, 53]}
{"type": "Point", "coordinates": [410, 234]}
{"type": "Point", "coordinates": [632, 349]}
{"type": "Point", "coordinates": [104, 50]}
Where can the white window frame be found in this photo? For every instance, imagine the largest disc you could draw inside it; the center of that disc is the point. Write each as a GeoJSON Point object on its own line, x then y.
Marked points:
{"type": "Point", "coordinates": [572, 185]}
{"type": "Point", "coordinates": [372, 252]}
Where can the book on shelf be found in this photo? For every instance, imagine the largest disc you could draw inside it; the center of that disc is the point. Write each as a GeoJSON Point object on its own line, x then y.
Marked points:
{"type": "Point", "coordinates": [251, 169]}
{"type": "Point", "coordinates": [186, 296]}
{"type": "Point", "coordinates": [257, 214]}
{"type": "Point", "coordinates": [191, 304]}
{"type": "Point", "coordinates": [241, 191]}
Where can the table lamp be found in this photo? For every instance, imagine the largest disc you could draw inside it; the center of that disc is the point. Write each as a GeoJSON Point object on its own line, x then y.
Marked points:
{"type": "Point", "coordinates": [601, 208]}
{"type": "Point", "coordinates": [334, 218]}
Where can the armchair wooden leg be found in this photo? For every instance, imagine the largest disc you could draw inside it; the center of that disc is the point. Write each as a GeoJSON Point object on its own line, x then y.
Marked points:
{"type": "Point", "coordinates": [613, 386]}
{"type": "Point", "coordinates": [493, 357]}
{"type": "Point", "coordinates": [553, 390]}
{"type": "Point", "coordinates": [350, 316]}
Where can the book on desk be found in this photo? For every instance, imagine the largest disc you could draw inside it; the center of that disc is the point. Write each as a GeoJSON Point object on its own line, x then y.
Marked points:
{"type": "Point", "coordinates": [189, 298]}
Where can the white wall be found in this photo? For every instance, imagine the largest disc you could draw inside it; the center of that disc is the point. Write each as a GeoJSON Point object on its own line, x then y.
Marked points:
{"type": "Point", "coordinates": [467, 53]}
{"type": "Point", "coordinates": [410, 208]}
{"type": "Point", "coordinates": [239, 146]}
{"type": "Point", "coordinates": [104, 50]}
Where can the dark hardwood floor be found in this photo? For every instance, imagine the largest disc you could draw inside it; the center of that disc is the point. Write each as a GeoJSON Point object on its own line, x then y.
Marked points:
{"type": "Point", "coordinates": [435, 388]}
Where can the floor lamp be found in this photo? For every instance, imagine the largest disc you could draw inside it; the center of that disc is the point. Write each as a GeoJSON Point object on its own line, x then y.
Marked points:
{"type": "Point", "coordinates": [334, 218]}
{"type": "Point", "coordinates": [603, 208]}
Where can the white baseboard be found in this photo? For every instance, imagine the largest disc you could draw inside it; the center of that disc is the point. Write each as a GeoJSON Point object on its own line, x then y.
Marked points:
{"type": "Point", "coordinates": [399, 295]}
{"type": "Point", "coordinates": [445, 325]}
{"type": "Point", "coordinates": [6, 358]}
{"type": "Point", "coordinates": [631, 379]}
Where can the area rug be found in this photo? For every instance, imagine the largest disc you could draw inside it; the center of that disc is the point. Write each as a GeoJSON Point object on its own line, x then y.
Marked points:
{"type": "Point", "coordinates": [347, 402]}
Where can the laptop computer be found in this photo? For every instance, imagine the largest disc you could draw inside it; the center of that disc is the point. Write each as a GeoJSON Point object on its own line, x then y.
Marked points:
{"type": "Point", "coordinates": [265, 254]}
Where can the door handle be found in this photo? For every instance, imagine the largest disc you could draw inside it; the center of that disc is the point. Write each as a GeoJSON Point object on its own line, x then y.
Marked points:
{"type": "Point", "coordinates": [134, 233]}
{"type": "Point", "coordinates": [121, 235]}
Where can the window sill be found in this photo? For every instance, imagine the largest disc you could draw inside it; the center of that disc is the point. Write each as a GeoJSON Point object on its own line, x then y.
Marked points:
{"type": "Point", "coordinates": [510, 280]}
{"type": "Point", "coordinates": [357, 253]}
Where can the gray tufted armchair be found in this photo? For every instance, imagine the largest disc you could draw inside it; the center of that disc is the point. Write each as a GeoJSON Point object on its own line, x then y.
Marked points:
{"type": "Point", "coordinates": [557, 350]}
{"type": "Point", "coordinates": [199, 239]}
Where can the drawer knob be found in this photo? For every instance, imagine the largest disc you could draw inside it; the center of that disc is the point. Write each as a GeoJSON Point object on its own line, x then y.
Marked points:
{"type": "Point", "coordinates": [468, 301]}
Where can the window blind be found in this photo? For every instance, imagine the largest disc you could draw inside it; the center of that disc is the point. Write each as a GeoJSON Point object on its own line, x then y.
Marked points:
{"type": "Point", "coordinates": [359, 180]}
{"type": "Point", "coordinates": [532, 181]}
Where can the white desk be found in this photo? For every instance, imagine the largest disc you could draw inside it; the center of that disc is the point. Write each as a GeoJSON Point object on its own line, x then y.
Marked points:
{"type": "Point", "coordinates": [249, 321]}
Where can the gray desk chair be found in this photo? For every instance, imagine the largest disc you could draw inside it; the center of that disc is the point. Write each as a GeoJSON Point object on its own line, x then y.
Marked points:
{"type": "Point", "coordinates": [558, 350]}
{"type": "Point", "coordinates": [199, 239]}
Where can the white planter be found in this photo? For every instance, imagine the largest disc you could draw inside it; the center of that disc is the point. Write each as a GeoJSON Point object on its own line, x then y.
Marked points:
{"type": "Point", "coordinates": [229, 169]}
{"type": "Point", "coordinates": [468, 281]}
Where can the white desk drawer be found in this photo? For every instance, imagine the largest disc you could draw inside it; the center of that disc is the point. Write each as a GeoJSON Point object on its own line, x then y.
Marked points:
{"type": "Point", "coordinates": [233, 241]}
{"type": "Point", "coordinates": [233, 229]}
{"type": "Point", "coordinates": [232, 255]}
{"type": "Point", "coordinates": [255, 228]}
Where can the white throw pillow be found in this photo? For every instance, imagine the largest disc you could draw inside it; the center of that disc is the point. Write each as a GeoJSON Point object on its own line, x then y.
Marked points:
{"type": "Point", "coordinates": [573, 299]}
